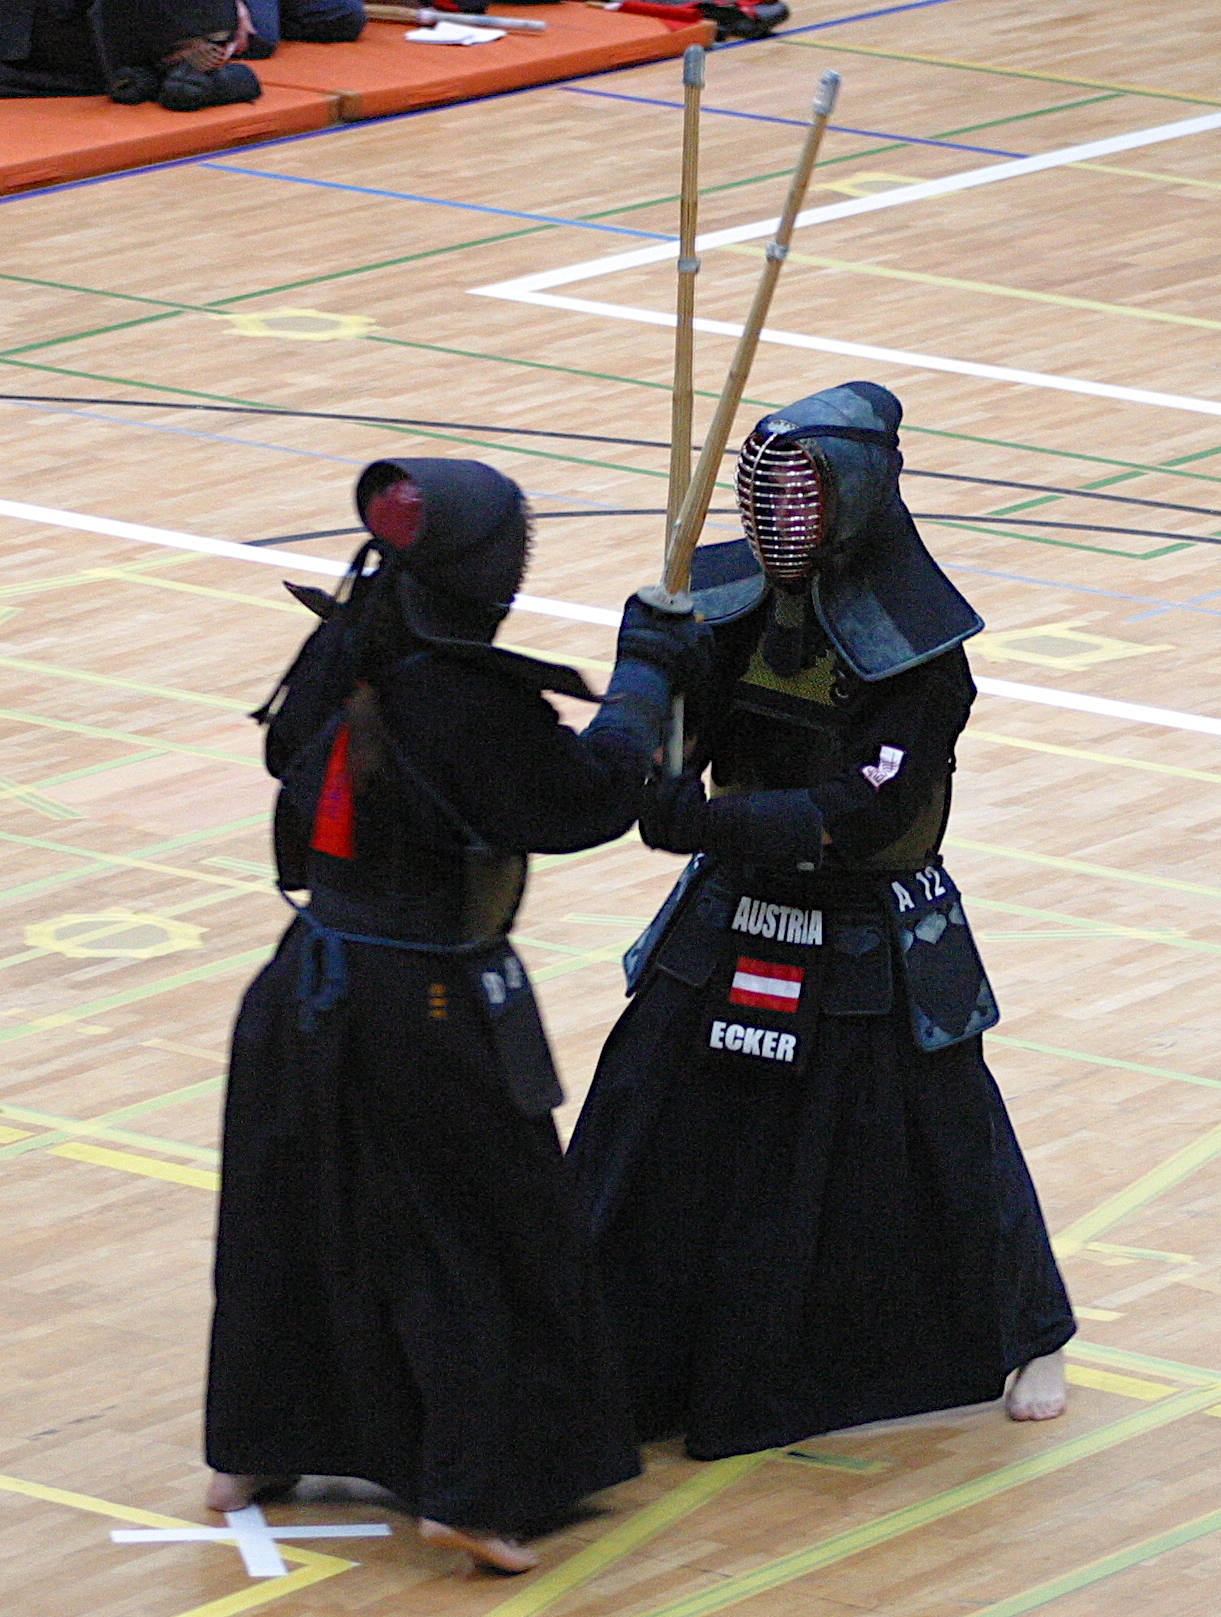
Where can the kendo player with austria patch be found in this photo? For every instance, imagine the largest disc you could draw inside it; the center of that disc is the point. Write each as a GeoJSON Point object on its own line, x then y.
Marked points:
{"type": "Point", "coordinates": [809, 1207]}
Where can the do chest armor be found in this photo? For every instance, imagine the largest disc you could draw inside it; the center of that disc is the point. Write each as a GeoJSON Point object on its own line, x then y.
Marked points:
{"type": "Point", "coordinates": [785, 730]}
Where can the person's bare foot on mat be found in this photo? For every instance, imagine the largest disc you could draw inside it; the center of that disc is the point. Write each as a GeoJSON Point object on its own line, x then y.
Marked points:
{"type": "Point", "coordinates": [487, 1548]}
{"type": "Point", "coordinates": [1038, 1391]}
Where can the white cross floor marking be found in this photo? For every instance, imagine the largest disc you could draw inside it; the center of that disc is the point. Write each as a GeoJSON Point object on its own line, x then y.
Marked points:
{"type": "Point", "coordinates": [249, 1531]}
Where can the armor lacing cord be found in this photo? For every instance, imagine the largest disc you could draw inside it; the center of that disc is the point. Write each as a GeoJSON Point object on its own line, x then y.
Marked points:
{"type": "Point", "coordinates": [322, 979]}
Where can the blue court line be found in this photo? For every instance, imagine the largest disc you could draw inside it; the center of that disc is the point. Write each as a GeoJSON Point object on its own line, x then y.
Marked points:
{"type": "Point", "coordinates": [1086, 589]}
{"type": "Point", "coordinates": [796, 123]}
{"type": "Point", "coordinates": [859, 16]}
{"type": "Point", "coordinates": [435, 202]}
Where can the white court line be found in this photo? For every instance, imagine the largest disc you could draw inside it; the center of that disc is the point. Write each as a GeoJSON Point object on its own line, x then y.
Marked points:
{"type": "Point", "coordinates": [536, 289]}
{"type": "Point", "coordinates": [48, 516]}
{"type": "Point", "coordinates": [249, 1531]}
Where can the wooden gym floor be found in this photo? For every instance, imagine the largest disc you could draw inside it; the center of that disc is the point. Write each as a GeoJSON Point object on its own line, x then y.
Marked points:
{"type": "Point", "coordinates": [1013, 225]}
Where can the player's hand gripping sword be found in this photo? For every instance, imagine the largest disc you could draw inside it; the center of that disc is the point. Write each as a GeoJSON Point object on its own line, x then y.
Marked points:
{"type": "Point", "coordinates": [685, 527]}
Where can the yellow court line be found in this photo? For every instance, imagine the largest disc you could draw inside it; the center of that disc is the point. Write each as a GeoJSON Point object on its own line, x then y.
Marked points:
{"type": "Point", "coordinates": [1190, 1375]}
{"type": "Point", "coordinates": [1142, 90]}
{"type": "Point", "coordinates": [149, 1167]}
{"type": "Point", "coordinates": [991, 289]}
{"type": "Point", "coordinates": [586, 1564]}
{"type": "Point", "coordinates": [1141, 1191]}
{"type": "Point", "coordinates": [1112, 760]}
{"type": "Point", "coordinates": [128, 738]}
{"type": "Point", "coordinates": [176, 585]}
{"type": "Point", "coordinates": [732, 1590]}
{"type": "Point", "coordinates": [91, 575]}
{"type": "Point", "coordinates": [1104, 1061]}
{"type": "Point", "coordinates": [1083, 867]}
{"type": "Point", "coordinates": [1099, 929]}
{"type": "Point", "coordinates": [1123, 1386]}
{"type": "Point", "coordinates": [132, 996]}
{"type": "Point", "coordinates": [116, 861]}
{"type": "Point", "coordinates": [7, 1135]}
{"type": "Point", "coordinates": [37, 800]}
{"type": "Point", "coordinates": [313, 1567]}
{"type": "Point", "coordinates": [25, 665]}
{"type": "Point", "coordinates": [138, 1517]}
{"type": "Point", "coordinates": [1149, 174]}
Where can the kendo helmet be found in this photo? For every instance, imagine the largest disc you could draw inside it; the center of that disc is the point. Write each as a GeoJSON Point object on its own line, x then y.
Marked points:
{"type": "Point", "coordinates": [454, 535]}
{"type": "Point", "coordinates": [818, 494]}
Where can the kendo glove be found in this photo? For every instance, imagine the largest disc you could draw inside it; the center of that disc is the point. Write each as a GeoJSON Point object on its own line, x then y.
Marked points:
{"type": "Point", "coordinates": [674, 813]}
{"type": "Point", "coordinates": [782, 828]}
{"type": "Point", "coordinates": [677, 644]}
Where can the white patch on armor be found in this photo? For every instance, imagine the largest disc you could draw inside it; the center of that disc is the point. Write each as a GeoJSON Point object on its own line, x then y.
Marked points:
{"type": "Point", "coordinates": [886, 768]}
{"type": "Point", "coordinates": [514, 975]}
{"type": "Point", "coordinates": [494, 987]}
{"type": "Point", "coordinates": [753, 1041]}
{"type": "Point", "coordinates": [759, 919]}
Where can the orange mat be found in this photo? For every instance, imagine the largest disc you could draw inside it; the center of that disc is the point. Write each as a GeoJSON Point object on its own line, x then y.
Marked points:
{"type": "Point", "coordinates": [50, 140]}
{"type": "Point", "coordinates": [384, 72]}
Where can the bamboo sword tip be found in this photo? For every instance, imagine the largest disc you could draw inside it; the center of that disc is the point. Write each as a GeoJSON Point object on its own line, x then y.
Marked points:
{"type": "Point", "coordinates": [693, 65]}
{"type": "Point", "coordinates": [828, 89]}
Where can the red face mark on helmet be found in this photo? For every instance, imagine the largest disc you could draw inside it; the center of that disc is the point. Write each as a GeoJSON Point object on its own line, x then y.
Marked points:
{"type": "Point", "coordinates": [395, 515]}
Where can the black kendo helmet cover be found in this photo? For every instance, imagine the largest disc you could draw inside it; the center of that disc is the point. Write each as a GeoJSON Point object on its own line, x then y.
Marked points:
{"type": "Point", "coordinates": [456, 535]}
{"type": "Point", "coordinates": [880, 597]}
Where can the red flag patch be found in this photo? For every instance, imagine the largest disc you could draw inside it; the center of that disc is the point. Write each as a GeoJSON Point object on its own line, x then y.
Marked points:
{"type": "Point", "coordinates": [766, 984]}
{"type": "Point", "coordinates": [334, 815]}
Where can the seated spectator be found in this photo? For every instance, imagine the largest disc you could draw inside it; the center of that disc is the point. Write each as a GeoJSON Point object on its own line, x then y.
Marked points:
{"type": "Point", "coordinates": [325, 22]}
{"type": "Point", "coordinates": [47, 47]}
{"type": "Point", "coordinates": [177, 52]}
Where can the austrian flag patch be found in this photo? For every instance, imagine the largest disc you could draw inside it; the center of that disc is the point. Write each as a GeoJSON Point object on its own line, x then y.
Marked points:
{"type": "Point", "coordinates": [766, 984]}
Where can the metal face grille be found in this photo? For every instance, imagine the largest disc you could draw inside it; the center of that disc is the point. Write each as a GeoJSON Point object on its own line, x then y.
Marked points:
{"type": "Point", "coordinates": [783, 507]}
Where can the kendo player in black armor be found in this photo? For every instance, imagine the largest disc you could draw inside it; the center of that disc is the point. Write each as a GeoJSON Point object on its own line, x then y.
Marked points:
{"type": "Point", "coordinates": [808, 1203]}
{"type": "Point", "coordinates": [403, 1288]}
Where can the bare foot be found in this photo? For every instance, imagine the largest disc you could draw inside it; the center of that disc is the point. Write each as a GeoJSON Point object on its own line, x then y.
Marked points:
{"type": "Point", "coordinates": [227, 1492]}
{"type": "Point", "coordinates": [1038, 1391]}
{"type": "Point", "coordinates": [505, 1554]}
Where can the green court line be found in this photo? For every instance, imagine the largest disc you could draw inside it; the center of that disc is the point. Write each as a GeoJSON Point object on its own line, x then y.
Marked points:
{"type": "Point", "coordinates": [1111, 760]}
{"type": "Point", "coordinates": [1103, 1061]}
{"type": "Point", "coordinates": [869, 1535]}
{"type": "Point", "coordinates": [1140, 1192]}
{"type": "Point", "coordinates": [119, 861]}
{"type": "Point", "coordinates": [170, 304]}
{"type": "Point", "coordinates": [37, 800]}
{"type": "Point", "coordinates": [1005, 72]}
{"type": "Point", "coordinates": [638, 1529]}
{"type": "Point", "coordinates": [48, 884]}
{"type": "Point", "coordinates": [128, 739]}
{"type": "Point", "coordinates": [838, 1462]}
{"type": "Point", "coordinates": [966, 526]}
{"type": "Point", "coordinates": [84, 336]}
{"type": "Point", "coordinates": [1193, 1375]}
{"type": "Point", "coordinates": [132, 996]}
{"type": "Point", "coordinates": [167, 693]}
{"type": "Point", "coordinates": [993, 289]}
{"type": "Point", "coordinates": [86, 770]}
{"type": "Point", "coordinates": [1092, 1572]}
{"type": "Point", "coordinates": [61, 1131]}
{"type": "Point", "coordinates": [92, 575]}
{"type": "Point", "coordinates": [1095, 929]}
{"type": "Point", "coordinates": [1124, 470]}
{"type": "Point", "coordinates": [1084, 867]}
